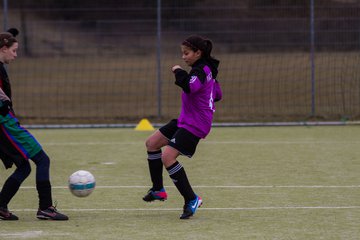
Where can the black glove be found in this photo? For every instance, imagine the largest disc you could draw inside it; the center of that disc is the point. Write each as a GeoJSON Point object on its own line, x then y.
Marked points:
{"type": "Point", "coordinates": [5, 107]}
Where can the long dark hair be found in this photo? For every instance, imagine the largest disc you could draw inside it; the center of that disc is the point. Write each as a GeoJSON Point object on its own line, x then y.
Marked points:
{"type": "Point", "coordinates": [204, 45]}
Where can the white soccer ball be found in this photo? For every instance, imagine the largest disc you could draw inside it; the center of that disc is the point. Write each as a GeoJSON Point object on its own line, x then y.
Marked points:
{"type": "Point", "coordinates": [81, 183]}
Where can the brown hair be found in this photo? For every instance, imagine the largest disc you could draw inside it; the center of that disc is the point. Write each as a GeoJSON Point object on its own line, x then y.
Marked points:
{"type": "Point", "coordinates": [7, 39]}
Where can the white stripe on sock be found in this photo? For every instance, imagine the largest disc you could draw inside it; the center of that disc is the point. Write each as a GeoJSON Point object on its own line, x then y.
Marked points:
{"type": "Point", "coordinates": [175, 169]}
{"type": "Point", "coordinates": [152, 156]}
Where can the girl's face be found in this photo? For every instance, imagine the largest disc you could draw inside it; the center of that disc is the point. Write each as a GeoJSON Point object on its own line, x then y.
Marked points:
{"type": "Point", "coordinates": [8, 54]}
{"type": "Point", "coordinates": [189, 56]}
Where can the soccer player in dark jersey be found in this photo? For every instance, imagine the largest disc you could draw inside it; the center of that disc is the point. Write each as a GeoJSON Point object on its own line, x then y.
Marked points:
{"type": "Point", "coordinates": [17, 145]}
{"type": "Point", "coordinates": [200, 90]}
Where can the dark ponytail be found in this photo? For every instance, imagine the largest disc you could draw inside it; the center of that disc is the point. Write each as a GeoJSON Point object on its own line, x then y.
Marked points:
{"type": "Point", "coordinates": [207, 48]}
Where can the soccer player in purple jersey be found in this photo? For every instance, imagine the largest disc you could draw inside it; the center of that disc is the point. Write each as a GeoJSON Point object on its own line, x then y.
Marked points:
{"type": "Point", "coordinates": [200, 90]}
{"type": "Point", "coordinates": [17, 145]}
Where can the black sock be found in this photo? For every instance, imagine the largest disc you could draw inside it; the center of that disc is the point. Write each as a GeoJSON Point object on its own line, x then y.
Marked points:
{"type": "Point", "coordinates": [10, 188]}
{"type": "Point", "coordinates": [44, 192]}
{"type": "Point", "coordinates": [156, 169]}
{"type": "Point", "coordinates": [178, 176]}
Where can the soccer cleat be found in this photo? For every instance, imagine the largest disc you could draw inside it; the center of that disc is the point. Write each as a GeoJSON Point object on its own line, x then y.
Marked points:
{"type": "Point", "coordinates": [50, 213]}
{"type": "Point", "coordinates": [152, 195]}
{"type": "Point", "coordinates": [6, 215]}
{"type": "Point", "coordinates": [191, 207]}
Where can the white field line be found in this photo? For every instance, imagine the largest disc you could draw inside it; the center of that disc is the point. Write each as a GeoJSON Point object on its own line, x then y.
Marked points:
{"type": "Point", "coordinates": [203, 142]}
{"type": "Point", "coordinates": [202, 209]}
{"type": "Point", "coordinates": [31, 234]}
{"type": "Point", "coordinates": [218, 186]}
{"type": "Point", "coordinates": [210, 209]}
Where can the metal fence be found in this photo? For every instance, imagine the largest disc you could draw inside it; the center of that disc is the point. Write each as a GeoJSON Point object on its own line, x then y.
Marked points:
{"type": "Point", "coordinates": [109, 61]}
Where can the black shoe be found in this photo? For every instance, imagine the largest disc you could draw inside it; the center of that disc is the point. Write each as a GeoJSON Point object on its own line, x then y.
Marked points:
{"type": "Point", "coordinates": [50, 214]}
{"type": "Point", "coordinates": [191, 207]}
{"type": "Point", "coordinates": [152, 195]}
{"type": "Point", "coordinates": [6, 215]}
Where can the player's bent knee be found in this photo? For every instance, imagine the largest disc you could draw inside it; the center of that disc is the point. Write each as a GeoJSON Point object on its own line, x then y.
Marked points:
{"type": "Point", "coordinates": [150, 146]}
{"type": "Point", "coordinates": [155, 142]}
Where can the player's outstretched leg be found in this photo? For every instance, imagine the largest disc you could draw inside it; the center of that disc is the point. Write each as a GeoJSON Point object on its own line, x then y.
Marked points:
{"type": "Point", "coordinates": [43, 186]}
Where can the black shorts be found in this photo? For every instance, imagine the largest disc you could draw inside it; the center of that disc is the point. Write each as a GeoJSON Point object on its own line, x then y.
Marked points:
{"type": "Point", "coordinates": [180, 139]}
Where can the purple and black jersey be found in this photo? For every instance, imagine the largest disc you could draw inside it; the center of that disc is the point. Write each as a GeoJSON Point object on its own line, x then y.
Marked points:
{"type": "Point", "coordinates": [200, 92]}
